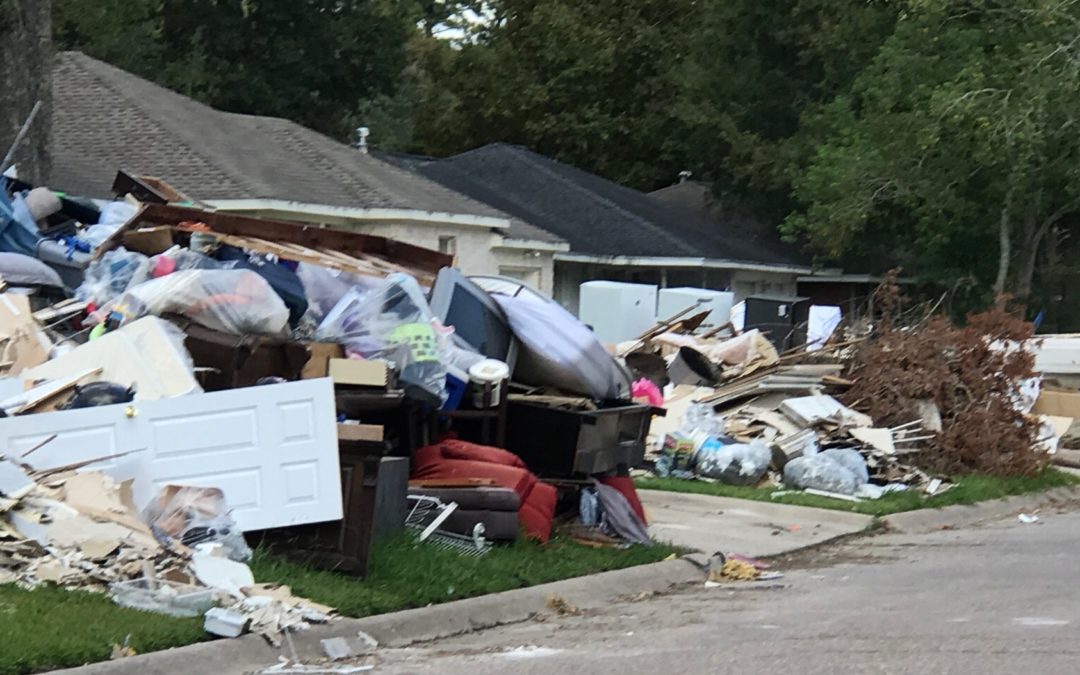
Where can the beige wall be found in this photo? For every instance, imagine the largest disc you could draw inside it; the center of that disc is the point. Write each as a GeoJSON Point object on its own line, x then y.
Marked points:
{"type": "Point", "coordinates": [745, 283]}
{"type": "Point", "coordinates": [534, 267]}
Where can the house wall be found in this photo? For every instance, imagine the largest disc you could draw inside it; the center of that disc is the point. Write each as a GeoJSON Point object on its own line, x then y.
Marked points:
{"type": "Point", "coordinates": [746, 283]}
{"type": "Point", "coordinates": [533, 267]}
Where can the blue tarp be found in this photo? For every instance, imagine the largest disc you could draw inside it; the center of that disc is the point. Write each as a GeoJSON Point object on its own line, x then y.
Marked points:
{"type": "Point", "coordinates": [18, 231]}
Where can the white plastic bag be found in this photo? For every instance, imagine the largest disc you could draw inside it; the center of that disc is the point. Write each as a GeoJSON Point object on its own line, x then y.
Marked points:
{"type": "Point", "coordinates": [232, 301]}
{"type": "Point", "coordinates": [829, 470]}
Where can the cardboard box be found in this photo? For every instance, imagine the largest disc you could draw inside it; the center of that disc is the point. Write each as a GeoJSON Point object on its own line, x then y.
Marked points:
{"type": "Point", "coordinates": [318, 364]}
{"type": "Point", "coordinates": [360, 432]}
{"type": "Point", "coordinates": [149, 241]}
{"type": "Point", "coordinates": [1058, 404]}
{"type": "Point", "coordinates": [359, 372]}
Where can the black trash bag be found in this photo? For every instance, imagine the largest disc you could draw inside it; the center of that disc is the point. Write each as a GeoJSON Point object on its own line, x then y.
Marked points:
{"type": "Point", "coordinates": [98, 394]}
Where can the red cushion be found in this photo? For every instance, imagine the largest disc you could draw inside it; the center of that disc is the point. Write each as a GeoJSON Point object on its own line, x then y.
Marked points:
{"type": "Point", "coordinates": [455, 449]}
{"type": "Point", "coordinates": [538, 510]}
{"type": "Point", "coordinates": [458, 459]}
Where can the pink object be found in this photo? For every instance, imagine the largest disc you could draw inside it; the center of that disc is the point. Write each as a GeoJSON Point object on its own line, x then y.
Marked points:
{"type": "Point", "coordinates": [163, 266]}
{"type": "Point", "coordinates": [647, 390]}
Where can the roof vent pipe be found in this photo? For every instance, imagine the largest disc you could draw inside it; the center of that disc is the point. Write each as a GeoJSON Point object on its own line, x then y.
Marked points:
{"type": "Point", "coordinates": [362, 134]}
{"type": "Point", "coordinates": [685, 176]}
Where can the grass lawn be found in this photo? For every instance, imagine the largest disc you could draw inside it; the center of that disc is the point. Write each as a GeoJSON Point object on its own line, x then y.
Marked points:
{"type": "Point", "coordinates": [968, 490]}
{"type": "Point", "coordinates": [52, 628]}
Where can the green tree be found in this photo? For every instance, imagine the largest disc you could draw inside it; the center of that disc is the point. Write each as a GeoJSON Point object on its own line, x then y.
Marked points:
{"type": "Point", "coordinates": [585, 82]}
{"type": "Point", "coordinates": [958, 142]}
{"type": "Point", "coordinates": [311, 61]}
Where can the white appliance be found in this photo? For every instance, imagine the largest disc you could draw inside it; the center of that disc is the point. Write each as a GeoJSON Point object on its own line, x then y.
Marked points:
{"type": "Point", "coordinates": [617, 311]}
{"type": "Point", "coordinates": [717, 303]}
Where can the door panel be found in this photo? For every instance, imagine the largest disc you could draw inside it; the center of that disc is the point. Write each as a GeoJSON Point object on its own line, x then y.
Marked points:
{"type": "Point", "coordinates": [271, 449]}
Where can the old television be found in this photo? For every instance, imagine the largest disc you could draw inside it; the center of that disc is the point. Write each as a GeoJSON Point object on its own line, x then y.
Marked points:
{"type": "Point", "coordinates": [479, 324]}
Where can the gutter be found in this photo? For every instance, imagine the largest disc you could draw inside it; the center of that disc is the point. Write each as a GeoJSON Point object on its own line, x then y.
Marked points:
{"type": "Point", "coordinates": [534, 245]}
{"type": "Point", "coordinates": [707, 263]}
{"type": "Point", "coordinates": [344, 214]}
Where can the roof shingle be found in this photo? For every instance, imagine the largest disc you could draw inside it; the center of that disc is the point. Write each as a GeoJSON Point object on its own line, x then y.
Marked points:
{"type": "Point", "coordinates": [106, 119]}
{"type": "Point", "coordinates": [593, 214]}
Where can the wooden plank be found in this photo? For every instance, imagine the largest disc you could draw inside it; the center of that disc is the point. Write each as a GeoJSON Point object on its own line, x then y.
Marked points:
{"type": "Point", "coordinates": [417, 259]}
{"type": "Point", "coordinates": [360, 432]}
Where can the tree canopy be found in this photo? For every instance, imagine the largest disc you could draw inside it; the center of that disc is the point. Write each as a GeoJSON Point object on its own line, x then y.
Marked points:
{"type": "Point", "coordinates": [936, 134]}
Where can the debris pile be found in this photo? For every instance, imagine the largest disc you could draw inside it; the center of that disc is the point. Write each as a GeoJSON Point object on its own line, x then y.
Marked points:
{"type": "Point", "coordinates": [966, 382]}
{"type": "Point", "coordinates": [886, 410]}
{"type": "Point", "coordinates": [82, 531]}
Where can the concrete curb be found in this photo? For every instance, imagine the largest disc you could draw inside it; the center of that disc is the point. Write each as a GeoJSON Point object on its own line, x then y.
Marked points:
{"type": "Point", "coordinates": [399, 629]}
{"type": "Point", "coordinates": [929, 520]}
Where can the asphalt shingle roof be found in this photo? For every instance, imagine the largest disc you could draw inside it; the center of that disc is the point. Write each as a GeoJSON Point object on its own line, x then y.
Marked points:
{"type": "Point", "coordinates": [106, 119]}
{"type": "Point", "coordinates": [593, 214]}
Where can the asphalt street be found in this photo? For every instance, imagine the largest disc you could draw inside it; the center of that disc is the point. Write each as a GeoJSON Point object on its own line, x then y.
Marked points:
{"type": "Point", "coordinates": [997, 599]}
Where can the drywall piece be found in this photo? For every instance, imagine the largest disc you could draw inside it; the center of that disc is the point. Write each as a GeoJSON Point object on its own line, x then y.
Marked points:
{"type": "Point", "coordinates": [272, 450]}
{"type": "Point", "coordinates": [146, 354]}
{"type": "Point", "coordinates": [222, 573]}
{"type": "Point", "coordinates": [809, 410]}
{"type": "Point", "coordinates": [336, 648]}
{"type": "Point", "coordinates": [25, 344]}
{"type": "Point", "coordinates": [14, 483]}
{"type": "Point", "coordinates": [879, 439]}
{"type": "Point", "coordinates": [224, 623]}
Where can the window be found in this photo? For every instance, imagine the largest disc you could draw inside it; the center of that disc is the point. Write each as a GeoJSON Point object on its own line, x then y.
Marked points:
{"type": "Point", "coordinates": [448, 244]}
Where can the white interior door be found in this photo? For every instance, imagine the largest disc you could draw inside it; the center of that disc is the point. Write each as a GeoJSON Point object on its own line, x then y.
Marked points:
{"type": "Point", "coordinates": [271, 449]}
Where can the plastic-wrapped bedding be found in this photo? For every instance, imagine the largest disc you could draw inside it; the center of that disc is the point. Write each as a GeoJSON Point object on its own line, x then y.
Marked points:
{"type": "Point", "coordinates": [560, 351]}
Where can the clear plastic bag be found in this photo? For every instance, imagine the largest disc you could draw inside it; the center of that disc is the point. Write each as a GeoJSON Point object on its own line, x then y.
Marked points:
{"type": "Point", "coordinates": [325, 287]}
{"type": "Point", "coordinates": [735, 464]}
{"type": "Point", "coordinates": [702, 416]}
{"type": "Point", "coordinates": [851, 460]}
{"type": "Point", "coordinates": [822, 472]}
{"type": "Point", "coordinates": [232, 301]}
{"type": "Point", "coordinates": [113, 273]}
{"type": "Point", "coordinates": [192, 516]}
{"type": "Point", "coordinates": [395, 323]}
{"type": "Point", "coordinates": [178, 259]}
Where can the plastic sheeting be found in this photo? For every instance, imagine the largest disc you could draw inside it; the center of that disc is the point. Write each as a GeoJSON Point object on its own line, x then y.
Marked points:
{"type": "Point", "coordinates": [395, 323]}
{"type": "Point", "coordinates": [195, 515]}
{"type": "Point", "coordinates": [735, 464]}
{"type": "Point", "coordinates": [112, 274]}
{"type": "Point", "coordinates": [560, 351]}
{"type": "Point", "coordinates": [326, 287]}
{"type": "Point", "coordinates": [239, 302]}
{"type": "Point", "coordinates": [821, 324]}
{"type": "Point", "coordinates": [18, 231]}
{"type": "Point", "coordinates": [843, 471]}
